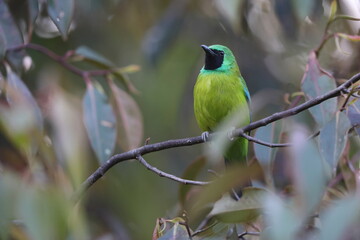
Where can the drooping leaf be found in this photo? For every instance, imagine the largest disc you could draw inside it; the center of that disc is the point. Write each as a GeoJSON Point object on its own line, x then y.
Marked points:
{"type": "Point", "coordinates": [99, 121]}
{"type": "Point", "coordinates": [353, 113]}
{"type": "Point", "coordinates": [61, 13]}
{"type": "Point", "coordinates": [130, 124]}
{"type": "Point", "coordinates": [191, 172]}
{"type": "Point", "coordinates": [244, 210]}
{"type": "Point", "coordinates": [310, 171]}
{"type": "Point", "coordinates": [338, 217]}
{"type": "Point", "coordinates": [2, 44]}
{"type": "Point", "coordinates": [33, 10]}
{"type": "Point", "coordinates": [333, 137]}
{"type": "Point", "coordinates": [18, 91]}
{"type": "Point", "coordinates": [270, 133]}
{"type": "Point", "coordinates": [316, 82]}
{"type": "Point", "coordinates": [12, 37]}
{"type": "Point", "coordinates": [283, 223]}
{"type": "Point", "coordinates": [9, 28]}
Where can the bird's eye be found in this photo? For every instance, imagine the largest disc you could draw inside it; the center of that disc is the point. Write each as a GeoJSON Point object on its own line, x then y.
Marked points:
{"type": "Point", "coordinates": [221, 53]}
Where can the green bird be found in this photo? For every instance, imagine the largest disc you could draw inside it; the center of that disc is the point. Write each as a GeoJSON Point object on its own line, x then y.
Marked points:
{"type": "Point", "coordinates": [219, 93]}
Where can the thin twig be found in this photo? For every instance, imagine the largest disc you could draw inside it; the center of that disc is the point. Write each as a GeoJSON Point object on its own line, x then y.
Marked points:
{"type": "Point", "coordinates": [197, 140]}
{"type": "Point", "coordinates": [63, 61]}
{"type": "Point", "coordinates": [248, 233]}
{"type": "Point", "coordinates": [167, 175]}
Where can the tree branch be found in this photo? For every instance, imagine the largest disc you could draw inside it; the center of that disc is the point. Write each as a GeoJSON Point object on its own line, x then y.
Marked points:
{"type": "Point", "coordinates": [167, 175]}
{"type": "Point", "coordinates": [197, 140]}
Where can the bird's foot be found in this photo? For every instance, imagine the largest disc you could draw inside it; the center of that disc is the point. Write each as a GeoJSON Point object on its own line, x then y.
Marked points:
{"type": "Point", "coordinates": [230, 134]}
{"type": "Point", "coordinates": [205, 136]}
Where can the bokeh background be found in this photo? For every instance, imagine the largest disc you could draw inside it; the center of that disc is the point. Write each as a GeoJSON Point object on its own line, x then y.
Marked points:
{"type": "Point", "coordinates": [270, 39]}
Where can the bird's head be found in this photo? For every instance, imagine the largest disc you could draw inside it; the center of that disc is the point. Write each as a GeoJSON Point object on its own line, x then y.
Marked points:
{"type": "Point", "coordinates": [218, 57]}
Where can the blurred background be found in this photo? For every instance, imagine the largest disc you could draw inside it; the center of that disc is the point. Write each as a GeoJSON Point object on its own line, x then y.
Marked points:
{"type": "Point", "coordinates": [271, 40]}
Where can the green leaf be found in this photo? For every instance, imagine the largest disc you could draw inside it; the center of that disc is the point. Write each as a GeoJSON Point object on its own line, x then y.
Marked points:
{"type": "Point", "coordinates": [353, 113]}
{"type": "Point", "coordinates": [191, 172]}
{"type": "Point", "coordinates": [61, 13]}
{"type": "Point", "coordinates": [18, 91]}
{"type": "Point", "coordinates": [282, 221]}
{"type": "Point", "coordinates": [130, 124]}
{"type": "Point", "coordinates": [245, 210]}
{"type": "Point", "coordinates": [99, 121]}
{"type": "Point", "coordinates": [333, 10]}
{"type": "Point", "coordinates": [270, 133]}
{"type": "Point", "coordinates": [353, 38]}
{"type": "Point", "coordinates": [338, 217]}
{"type": "Point", "coordinates": [9, 191]}
{"type": "Point", "coordinates": [332, 139]}
{"type": "Point", "coordinates": [45, 213]}
{"type": "Point", "coordinates": [310, 171]}
{"type": "Point", "coordinates": [316, 82]}
{"type": "Point", "coordinates": [216, 231]}
{"type": "Point", "coordinates": [93, 57]}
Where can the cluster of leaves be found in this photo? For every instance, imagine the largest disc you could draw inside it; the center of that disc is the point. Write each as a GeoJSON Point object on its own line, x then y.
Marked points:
{"type": "Point", "coordinates": [314, 184]}
{"type": "Point", "coordinates": [39, 134]}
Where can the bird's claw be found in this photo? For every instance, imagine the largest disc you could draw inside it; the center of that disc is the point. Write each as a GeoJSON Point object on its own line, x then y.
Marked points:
{"type": "Point", "coordinates": [230, 134]}
{"type": "Point", "coordinates": [205, 136]}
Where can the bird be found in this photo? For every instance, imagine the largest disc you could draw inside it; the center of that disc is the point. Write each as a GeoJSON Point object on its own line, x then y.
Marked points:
{"type": "Point", "coordinates": [219, 93]}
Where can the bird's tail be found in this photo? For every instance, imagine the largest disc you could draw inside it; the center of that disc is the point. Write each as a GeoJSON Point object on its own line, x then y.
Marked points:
{"type": "Point", "coordinates": [237, 155]}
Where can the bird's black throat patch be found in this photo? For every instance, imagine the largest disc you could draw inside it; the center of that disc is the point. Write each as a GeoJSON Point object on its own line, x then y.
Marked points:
{"type": "Point", "coordinates": [213, 59]}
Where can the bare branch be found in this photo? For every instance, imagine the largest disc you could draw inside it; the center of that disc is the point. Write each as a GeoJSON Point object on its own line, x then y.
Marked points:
{"type": "Point", "coordinates": [167, 175]}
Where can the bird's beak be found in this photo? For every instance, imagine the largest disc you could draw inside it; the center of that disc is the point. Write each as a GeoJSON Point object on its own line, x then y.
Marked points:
{"type": "Point", "coordinates": [208, 50]}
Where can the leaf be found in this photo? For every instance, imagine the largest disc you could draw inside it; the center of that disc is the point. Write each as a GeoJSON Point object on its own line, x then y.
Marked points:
{"type": "Point", "coordinates": [44, 212]}
{"type": "Point", "coordinates": [336, 220]}
{"type": "Point", "coordinates": [11, 37]}
{"type": "Point", "coordinates": [353, 38]}
{"type": "Point", "coordinates": [33, 10]}
{"type": "Point", "coordinates": [97, 59]}
{"type": "Point", "coordinates": [2, 44]}
{"type": "Point", "coordinates": [283, 223]}
{"type": "Point", "coordinates": [94, 57]}
{"type": "Point", "coordinates": [170, 229]}
{"type": "Point", "coordinates": [99, 121]}
{"type": "Point", "coordinates": [18, 91]}
{"type": "Point", "coordinates": [245, 210]}
{"type": "Point", "coordinates": [130, 124]}
{"type": "Point", "coordinates": [332, 139]}
{"type": "Point", "coordinates": [191, 172]}
{"type": "Point", "coordinates": [61, 13]}
{"type": "Point", "coordinates": [270, 133]}
{"type": "Point", "coordinates": [353, 113]}
{"type": "Point", "coordinates": [310, 171]}
{"type": "Point", "coordinates": [333, 10]}
{"type": "Point", "coordinates": [316, 82]}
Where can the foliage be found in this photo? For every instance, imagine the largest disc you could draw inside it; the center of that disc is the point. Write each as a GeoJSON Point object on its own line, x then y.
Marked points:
{"type": "Point", "coordinates": [51, 140]}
